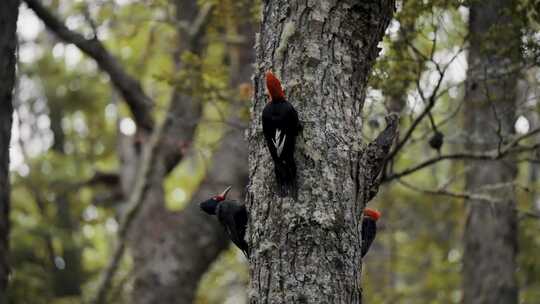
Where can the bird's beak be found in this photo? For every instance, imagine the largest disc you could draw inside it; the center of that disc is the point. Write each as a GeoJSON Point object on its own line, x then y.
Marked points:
{"type": "Point", "coordinates": [224, 193]}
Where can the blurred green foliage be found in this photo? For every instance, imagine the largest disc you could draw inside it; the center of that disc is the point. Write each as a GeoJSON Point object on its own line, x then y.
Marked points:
{"type": "Point", "coordinates": [417, 255]}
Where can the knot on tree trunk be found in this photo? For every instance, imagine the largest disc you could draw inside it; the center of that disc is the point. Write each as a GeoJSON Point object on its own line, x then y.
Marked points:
{"type": "Point", "coordinates": [375, 156]}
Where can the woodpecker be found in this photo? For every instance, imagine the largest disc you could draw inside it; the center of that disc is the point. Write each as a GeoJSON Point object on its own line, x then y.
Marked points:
{"type": "Point", "coordinates": [280, 127]}
{"type": "Point", "coordinates": [232, 215]}
{"type": "Point", "coordinates": [369, 228]}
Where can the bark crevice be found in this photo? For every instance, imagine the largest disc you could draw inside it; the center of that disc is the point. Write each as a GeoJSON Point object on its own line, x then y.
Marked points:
{"type": "Point", "coordinates": [307, 249]}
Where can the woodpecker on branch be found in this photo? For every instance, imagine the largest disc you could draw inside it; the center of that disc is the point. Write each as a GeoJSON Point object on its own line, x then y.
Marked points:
{"type": "Point", "coordinates": [232, 215]}
{"type": "Point", "coordinates": [369, 228]}
{"type": "Point", "coordinates": [280, 127]}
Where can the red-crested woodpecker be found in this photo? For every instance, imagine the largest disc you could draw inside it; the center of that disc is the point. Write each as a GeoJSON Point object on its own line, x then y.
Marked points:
{"type": "Point", "coordinates": [232, 215]}
{"type": "Point", "coordinates": [369, 228]}
{"type": "Point", "coordinates": [281, 127]}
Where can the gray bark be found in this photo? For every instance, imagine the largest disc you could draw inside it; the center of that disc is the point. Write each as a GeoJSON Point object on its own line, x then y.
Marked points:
{"type": "Point", "coordinates": [490, 235]}
{"type": "Point", "coordinates": [307, 250]}
{"type": "Point", "coordinates": [8, 24]}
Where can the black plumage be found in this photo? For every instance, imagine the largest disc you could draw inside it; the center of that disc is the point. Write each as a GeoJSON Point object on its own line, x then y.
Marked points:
{"type": "Point", "coordinates": [232, 215]}
{"type": "Point", "coordinates": [369, 229]}
{"type": "Point", "coordinates": [281, 127]}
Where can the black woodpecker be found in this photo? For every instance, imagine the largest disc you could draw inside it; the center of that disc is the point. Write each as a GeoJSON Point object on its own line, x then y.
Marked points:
{"type": "Point", "coordinates": [369, 228]}
{"type": "Point", "coordinates": [281, 127]}
{"type": "Point", "coordinates": [232, 215]}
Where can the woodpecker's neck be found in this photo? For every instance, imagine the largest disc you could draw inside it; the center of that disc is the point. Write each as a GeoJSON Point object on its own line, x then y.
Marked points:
{"type": "Point", "coordinates": [278, 100]}
{"type": "Point", "coordinates": [210, 206]}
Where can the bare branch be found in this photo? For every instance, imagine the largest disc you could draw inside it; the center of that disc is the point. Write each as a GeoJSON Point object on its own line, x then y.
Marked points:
{"type": "Point", "coordinates": [432, 99]}
{"type": "Point", "coordinates": [496, 154]}
{"type": "Point", "coordinates": [131, 90]}
{"type": "Point", "coordinates": [90, 20]}
{"type": "Point", "coordinates": [161, 153]}
{"type": "Point", "coordinates": [524, 136]}
{"type": "Point", "coordinates": [528, 213]}
{"type": "Point", "coordinates": [142, 184]}
{"type": "Point", "coordinates": [107, 178]}
{"type": "Point", "coordinates": [444, 192]}
{"type": "Point", "coordinates": [199, 24]}
{"type": "Point", "coordinates": [468, 196]}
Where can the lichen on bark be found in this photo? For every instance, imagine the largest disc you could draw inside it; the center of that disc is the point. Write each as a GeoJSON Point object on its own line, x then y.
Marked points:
{"type": "Point", "coordinates": [307, 249]}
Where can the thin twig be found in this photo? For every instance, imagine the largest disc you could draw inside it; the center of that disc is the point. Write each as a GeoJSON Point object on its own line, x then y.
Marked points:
{"type": "Point", "coordinates": [490, 155]}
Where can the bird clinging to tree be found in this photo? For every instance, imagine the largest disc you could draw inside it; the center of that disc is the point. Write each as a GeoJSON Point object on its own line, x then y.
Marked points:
{"type": "Point", "coordinates": [280, 127]}
{"type": "Point", "coordinates": [232, 215]}
{"type": "Point", "coordinates": [369, 228]}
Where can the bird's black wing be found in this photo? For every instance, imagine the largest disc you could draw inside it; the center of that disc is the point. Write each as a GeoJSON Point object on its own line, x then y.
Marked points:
{"type": "Point", "coordinates": [241, 219]}
{"type": "Point", "coordinates": [292, 129]}
{"type": "Point", "coordinates": [269, 130]}
{"type": "Point", "coordinates": [234, 217]}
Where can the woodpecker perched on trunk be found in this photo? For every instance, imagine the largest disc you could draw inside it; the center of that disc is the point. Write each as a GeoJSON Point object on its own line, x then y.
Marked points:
{"type": "Point", "coordinates": [232, 215]}
{"type": "Point", "coordinates": [369, 228]}
{"type": "Point", "coordinates": [280, 127]}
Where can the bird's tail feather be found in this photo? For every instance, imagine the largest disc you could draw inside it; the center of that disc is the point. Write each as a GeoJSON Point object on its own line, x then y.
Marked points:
{"type": "Point", "coordinates": [286, 177]}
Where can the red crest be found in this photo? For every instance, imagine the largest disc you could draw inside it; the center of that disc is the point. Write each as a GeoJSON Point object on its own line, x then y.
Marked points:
{"type": "Point", "coordinates": [372, 213]}
{"type": "Point", "coordinates": [274, 87]}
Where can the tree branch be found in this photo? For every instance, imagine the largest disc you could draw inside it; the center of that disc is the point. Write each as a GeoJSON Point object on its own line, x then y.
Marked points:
{"type": "Point", "coordinates": [107, 178]}
{"type": "Point", "coordinates": [142, 184]}
{"type": "Point", "coordinates": [161, 153]}
{"type": "Point", "coordinates": [431, 100]}
{"type": "Point", "coordinates": [468, 196]}
{"type": "Point", "coordinates": [200, 22]}
{"type": "Point", "coordinates": [444, 192]}
{"type": "Point", "coordinates": [131, 90]}
{"type": "Point", "coordinates": [512, 148]}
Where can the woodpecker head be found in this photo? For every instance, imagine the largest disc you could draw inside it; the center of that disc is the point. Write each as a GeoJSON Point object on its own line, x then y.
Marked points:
{"type": "Point", "coordinates": [372, 214]}
{"type": "Point", "coordinates": [274, 87]}
{"type": "Point", "coordinates": [209, 206]}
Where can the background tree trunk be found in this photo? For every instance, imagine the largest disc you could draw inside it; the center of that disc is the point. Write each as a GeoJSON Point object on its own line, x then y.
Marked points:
{"type": "Point", "coordinates": [173, 253]}
{"type": "Point", "coordinates": [8, 41]}
{"type": "Point", "coordinates": [491, 229]}
{"type": "Point", "coordinates": [307, 250]}
{"type": "Point", "coordinates": [67, 280]}
{"type": "Point", "coordinates": [166, 268]}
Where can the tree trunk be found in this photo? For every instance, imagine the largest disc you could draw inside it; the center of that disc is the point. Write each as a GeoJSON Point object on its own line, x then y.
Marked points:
{"type": "Point", "coordinates": [173, 253]}
{"type": "Point", "coordinates": [8, 24]}
{"type": "Point", "coordinates": [171, 250]}
{"type": "Point", "coordinates": [174, 249]}
{"type": "Point", "coordinates": [307, 250]}
{"type": "Point", "coordinates": [489, 261]}
{"type": "Point", "coordinates": [67, 280]}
